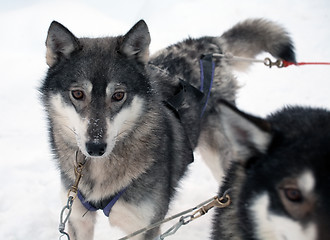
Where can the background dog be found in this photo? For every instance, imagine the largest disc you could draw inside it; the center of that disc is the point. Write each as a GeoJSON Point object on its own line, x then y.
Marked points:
{"type": "Point", "coordinates": [279, 178]}
{"type": "Point", "coordinates": [106, 100]}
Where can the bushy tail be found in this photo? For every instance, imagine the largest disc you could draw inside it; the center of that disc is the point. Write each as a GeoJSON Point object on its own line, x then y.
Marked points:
{"type": "Point", "coordinates": [253, 36]}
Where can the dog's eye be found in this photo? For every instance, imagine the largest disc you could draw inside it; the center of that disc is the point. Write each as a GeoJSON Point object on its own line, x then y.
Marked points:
{"type": "Point", "coordinates": [118, 96]}
{"type": "Point", "coordinates": [78, 94]}
{"type": "Point", "coordinates": [293, 194]}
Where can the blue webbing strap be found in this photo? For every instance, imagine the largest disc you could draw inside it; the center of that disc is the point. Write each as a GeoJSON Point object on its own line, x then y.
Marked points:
{"type": "Point", "coordinates": [207, 73]}
{"type": "Point", "coordinates": [106, 209]}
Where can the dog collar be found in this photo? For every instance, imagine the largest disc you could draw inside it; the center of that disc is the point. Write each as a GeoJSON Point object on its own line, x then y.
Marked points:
{"type": "Point", "coordinates": [107, 209]}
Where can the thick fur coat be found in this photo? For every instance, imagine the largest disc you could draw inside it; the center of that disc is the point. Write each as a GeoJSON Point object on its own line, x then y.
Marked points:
{"type": "Point", "coordinates": [106, 100]}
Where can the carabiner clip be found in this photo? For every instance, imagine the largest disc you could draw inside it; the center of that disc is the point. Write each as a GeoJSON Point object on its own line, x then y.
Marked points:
{"type": "Point", "coordinates": [278, 63]}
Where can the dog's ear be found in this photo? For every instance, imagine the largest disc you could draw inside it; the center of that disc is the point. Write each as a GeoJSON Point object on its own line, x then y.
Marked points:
{"type": "Point", "coordinates": [248, 134]}
{"type": "Point", "coordinates": [60, 43]}
{"type": "Point", "coordinates": [136, 42]}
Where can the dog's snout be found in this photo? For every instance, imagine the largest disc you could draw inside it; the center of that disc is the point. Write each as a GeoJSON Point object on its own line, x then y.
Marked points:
{"type": "Point", "coordinates": [96, 149]}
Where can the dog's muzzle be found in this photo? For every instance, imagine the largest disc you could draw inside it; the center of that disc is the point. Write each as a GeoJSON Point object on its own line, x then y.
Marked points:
{"type": "Point", "coordinates": [96, 149]}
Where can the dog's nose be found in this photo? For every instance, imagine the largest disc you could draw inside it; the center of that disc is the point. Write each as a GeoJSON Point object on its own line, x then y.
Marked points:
{"type": "Point", "coordinates": [96, 149]}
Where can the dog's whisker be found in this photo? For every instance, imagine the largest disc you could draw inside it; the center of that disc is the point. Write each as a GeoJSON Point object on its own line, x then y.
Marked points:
{"type": "Point", "coordinates": [71, 129]}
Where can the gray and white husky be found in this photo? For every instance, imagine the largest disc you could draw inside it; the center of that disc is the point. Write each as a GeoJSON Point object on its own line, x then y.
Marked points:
{"type": "Point", "coordinates": [279, 180]}
{"type": "Point", "coordinates": [107, 101]}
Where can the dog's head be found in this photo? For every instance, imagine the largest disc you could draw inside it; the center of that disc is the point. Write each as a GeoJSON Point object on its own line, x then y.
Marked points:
{"type": "Point", "coordinates": [96, 90]}
{"type": "Point", "coordinates": [284, 162]}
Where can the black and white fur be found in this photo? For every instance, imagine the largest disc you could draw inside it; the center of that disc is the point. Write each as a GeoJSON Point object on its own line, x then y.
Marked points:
{"type": "Point", "coordinates": [106, 99]}
{"type": "Point", "coordinates": [279, 179]}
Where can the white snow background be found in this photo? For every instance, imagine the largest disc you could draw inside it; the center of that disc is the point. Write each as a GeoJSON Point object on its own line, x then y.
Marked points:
{"type": "Point", "coordinates": [29, 181]}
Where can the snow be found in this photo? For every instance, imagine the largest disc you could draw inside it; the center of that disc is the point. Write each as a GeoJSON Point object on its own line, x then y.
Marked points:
{"type": "Point", "coordinates": [29, 193]}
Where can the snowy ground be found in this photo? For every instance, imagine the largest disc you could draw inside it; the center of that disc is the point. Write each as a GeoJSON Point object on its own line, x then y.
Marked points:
{"type": "Point", "coordinates": [29, 189]}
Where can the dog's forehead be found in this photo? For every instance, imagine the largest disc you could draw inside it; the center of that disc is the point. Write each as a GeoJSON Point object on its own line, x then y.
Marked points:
{"type": "Point", "coordinates": [98, 53]}
{"type": "Point", "coordinates": [103, 62]}
{"type": "Point", "coordinates": [100, 73]}
{"type": "Point", "coordinates": [99, 45]}
{"type": "Point", "coordinates": [308, 170]}
{"type": "Point", "coordinates": [304, 151]}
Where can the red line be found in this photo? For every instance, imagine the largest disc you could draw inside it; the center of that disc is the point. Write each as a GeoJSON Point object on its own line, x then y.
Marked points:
{"type": "Point", "coordinates": [286, 63]}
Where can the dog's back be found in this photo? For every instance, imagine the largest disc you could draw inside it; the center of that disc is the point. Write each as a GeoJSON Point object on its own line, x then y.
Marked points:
{"type": "Point", "coordinates": [279, 181]}
{"type": "Point", "coordinates": [245, 39]}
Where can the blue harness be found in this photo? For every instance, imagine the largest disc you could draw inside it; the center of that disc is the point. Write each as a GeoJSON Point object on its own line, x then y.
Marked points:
{"type": "Point", "coordinates": [207, 73]}
{"type": "Point", "coordinates": [107, 209]}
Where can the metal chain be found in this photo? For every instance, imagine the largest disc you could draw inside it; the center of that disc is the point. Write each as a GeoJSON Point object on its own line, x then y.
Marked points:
{"type": "Point", "coordinates": [219, 202]}
{"type": "Point", "coordinates": [67, 207]}
{"type": "Point", "coordinates": [154, 225]}
{"type": "Point", "coordinates": [72, 194]}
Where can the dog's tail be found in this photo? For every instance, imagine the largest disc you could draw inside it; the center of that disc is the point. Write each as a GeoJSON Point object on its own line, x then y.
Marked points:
{"type": "Point", "coordinates": [253, 36]}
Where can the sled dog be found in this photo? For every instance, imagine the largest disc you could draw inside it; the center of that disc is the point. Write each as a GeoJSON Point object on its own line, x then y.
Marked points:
{"type": "Point", "coordinates": [108, 102]}
{"type": "Point", "coordinates": [279, 180]}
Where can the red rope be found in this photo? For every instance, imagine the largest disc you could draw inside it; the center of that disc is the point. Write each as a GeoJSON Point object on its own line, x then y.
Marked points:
{"type": "Point", "coordinates": [286, 63]}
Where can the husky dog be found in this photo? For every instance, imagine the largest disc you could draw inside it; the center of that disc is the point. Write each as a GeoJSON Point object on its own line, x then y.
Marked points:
{"type": "Point", "coordinates": [107, 101]}
{"type": "Point", "coordinates": [279, 181]}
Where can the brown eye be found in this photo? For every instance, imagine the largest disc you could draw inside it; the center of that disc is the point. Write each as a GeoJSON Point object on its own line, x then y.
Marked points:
{"type": "Point", "coordinates": [293, 194]}
{"type": "Point", "coordinates": [78, 94]}
{"type": "Point", "coordinates": [118, 96]}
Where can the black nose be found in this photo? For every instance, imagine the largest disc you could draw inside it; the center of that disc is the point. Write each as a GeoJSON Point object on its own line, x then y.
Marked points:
{"type": "Point", "coordinates": [96, 149]}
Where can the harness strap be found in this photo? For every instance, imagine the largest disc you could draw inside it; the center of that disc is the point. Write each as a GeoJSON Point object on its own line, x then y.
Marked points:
{"type": "Point", "coordinates": [207, 73]}
{"type": "Point", "coordinates": [107, 209]}
{"type": "Point", "coordinates": [176, 102]}
{"type": "Point", "coordinates": [189, 103]}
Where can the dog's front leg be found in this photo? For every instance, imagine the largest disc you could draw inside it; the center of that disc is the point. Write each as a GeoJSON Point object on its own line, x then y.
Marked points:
{"type": "Point", "coordinates": [131, 217]}
{"type": "Point", "coordinates": [81, 223]}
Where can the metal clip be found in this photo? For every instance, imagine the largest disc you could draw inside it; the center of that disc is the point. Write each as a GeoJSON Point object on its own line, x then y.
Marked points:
{"type": "Point", "coordinates": [278, 63]}
{"type": "Point", "coordinates": [221, 202]}
{"type": "Point", "coordinates": [78, 168]}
